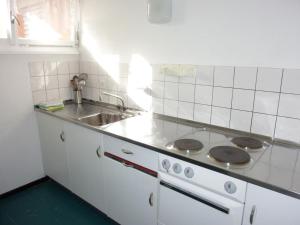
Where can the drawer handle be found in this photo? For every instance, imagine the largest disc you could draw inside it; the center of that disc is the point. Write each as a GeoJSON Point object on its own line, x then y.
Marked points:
{"type": "Point", "coordinates": [151, 199]}
{"type": "Point", "coordinates": [62, 136]}
{"type": "Point", "coordinates": [128, 152]}
{"type": "Point", "coordinates": [98, 152]}
{"type": "Point", "coordinates": [252, 214]}
{"type": "Point", "coordinates": [127, 165]}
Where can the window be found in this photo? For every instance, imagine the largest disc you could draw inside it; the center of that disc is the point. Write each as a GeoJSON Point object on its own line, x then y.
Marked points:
{"type": "Point", "coordinates": [3, 19]}
{"type": "Point", "coordinates": [42, 22]}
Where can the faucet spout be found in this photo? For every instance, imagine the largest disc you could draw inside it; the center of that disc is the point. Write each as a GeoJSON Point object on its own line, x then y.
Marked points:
{"type": "Point", "coordinates": [123, 108]}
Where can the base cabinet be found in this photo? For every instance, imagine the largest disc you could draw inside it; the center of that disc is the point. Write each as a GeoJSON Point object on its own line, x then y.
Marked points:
{"type": "Point", "coordinates": [52, 138]}
{"type": "Point", "coordinates": [85, 160]}
{"type": "Point", "coordinates": [131, 195]}
{"type": "Point", "coordinates": [265, 207]}
{"type": "Point", "coordinates": [73, 156]}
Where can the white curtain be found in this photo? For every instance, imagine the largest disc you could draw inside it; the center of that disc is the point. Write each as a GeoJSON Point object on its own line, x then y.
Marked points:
{"type": "Point", "coordinates": [45, 19]}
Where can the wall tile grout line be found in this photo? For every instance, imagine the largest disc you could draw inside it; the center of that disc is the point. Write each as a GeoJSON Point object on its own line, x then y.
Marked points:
{"type": "Point", "coordinates": [163, 90]}
{"type": "Point", "coordinates": [58, 79]}
{"type": "Point", "coordinates": [230, 115]}
{"type": "Point", "coordinates": [178, 94]}
{"type": "Point", "coordinates": [253, 104]}
{"type": "Point", "coordinates": [278, 104]}
{"type": "Point", "coordinates": [212, 97]}
{"type": "Point", "coordinates": [46, 94]}
{"type": "Point", "coordinates": [195, 86]}
{"type": "Point", "coordinates": [246, 89]}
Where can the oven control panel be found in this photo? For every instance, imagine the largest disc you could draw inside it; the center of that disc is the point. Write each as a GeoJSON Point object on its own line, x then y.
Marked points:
{"type": "Point", "coordinates": [201, 176]}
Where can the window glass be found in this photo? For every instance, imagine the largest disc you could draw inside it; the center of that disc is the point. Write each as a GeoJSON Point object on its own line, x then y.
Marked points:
{"type": "Point", "coordinates": [3, 19]}
{"type": "Point", "coordinates": [45, 20]}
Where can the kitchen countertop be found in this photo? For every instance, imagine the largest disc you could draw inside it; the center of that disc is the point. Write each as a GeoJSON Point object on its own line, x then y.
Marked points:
{"type": "Point", "coordinates": [277, 167]}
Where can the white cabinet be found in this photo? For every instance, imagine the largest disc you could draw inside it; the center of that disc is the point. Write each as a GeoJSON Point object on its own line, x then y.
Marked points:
{"type": "Point", "coordinates": [131, 183]}
{"type": "Point", "coordinates": [52, 137]}
{"type": "Point", "coordinates": [131, 195]}
{"type": "Point", "coordinates": [72, 156]}
{"type": "Point", "coordinates": [265, 207]}
{"type": "Point", "coordinates": [85, 164]}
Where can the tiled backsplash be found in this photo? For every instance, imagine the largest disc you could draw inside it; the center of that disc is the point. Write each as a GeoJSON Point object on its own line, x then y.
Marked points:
{"type": "Point", "coordinates": [258, 100]}
{"type": "Point", "coordinates": [50, 80]}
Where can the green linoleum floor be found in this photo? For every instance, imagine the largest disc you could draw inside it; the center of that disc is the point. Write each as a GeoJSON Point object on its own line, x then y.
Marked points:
{"type": "Point", "coordinates": [48, 203]}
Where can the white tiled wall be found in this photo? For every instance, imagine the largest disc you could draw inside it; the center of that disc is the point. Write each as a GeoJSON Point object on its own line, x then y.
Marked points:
{"type": "Point", "coordinates": [50, 80]}
{"type": "Point", "coordinates": [259, 100]}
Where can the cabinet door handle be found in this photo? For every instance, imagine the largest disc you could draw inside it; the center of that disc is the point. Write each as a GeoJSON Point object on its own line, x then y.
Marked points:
{"type": "Point", "coordinates": [151, 199]}
{"type": "Point", "coordinates": [128, 152]}
{"type": "Point", "coordinates": [98, 152]}
{"type": "Point", "coordinates": [251, 220]}
{"type": "Point", "coordinates": [62, 136]}
{"type": "Point", "coordinates": [127, 165]}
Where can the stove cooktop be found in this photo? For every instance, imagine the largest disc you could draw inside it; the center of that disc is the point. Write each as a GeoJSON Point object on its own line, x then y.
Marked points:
{"type": "Point", "coordinates": [219, 148]}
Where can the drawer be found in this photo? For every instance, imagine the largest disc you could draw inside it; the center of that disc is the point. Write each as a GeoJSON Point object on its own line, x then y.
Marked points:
{"type": "Point", "coordinates": [133, 153]}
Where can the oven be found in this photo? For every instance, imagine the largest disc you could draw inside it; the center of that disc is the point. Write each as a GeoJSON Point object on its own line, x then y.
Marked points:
{"type": "Point", "coordinates": [181, 202]}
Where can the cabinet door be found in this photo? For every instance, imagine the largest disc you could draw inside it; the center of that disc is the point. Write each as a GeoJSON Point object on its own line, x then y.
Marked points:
{"type": "Point", "coordinates": [130, 194]}
{"type": "Point", "coordinates": [264, 207]}
{"type": "Point", "coordinates": [53, 148]}
{"type": "Point", "coordinates": [85, 164]}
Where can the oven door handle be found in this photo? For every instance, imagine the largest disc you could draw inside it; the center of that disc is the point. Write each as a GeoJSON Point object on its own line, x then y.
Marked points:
{"type": "Point", "coordinates": [196, 197]}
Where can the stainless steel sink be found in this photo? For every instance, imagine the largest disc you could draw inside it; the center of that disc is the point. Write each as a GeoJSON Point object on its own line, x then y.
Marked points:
{"type": "Point", "coordinates": [101, 119]}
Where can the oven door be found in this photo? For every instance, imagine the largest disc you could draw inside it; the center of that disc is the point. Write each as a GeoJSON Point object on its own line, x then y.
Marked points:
{"type": "Point", "coordinates": [183, 203]}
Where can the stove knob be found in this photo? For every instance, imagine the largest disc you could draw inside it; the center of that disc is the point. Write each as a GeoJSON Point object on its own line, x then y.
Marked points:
{"type": "Point", "coordinates": [230, 187]}
{"type": "Point", "coordinates": [189, 172]}
{"type": "Point", "coordinates": [166, 164]}
{"type": "Point", "coordinates": [177, 168]}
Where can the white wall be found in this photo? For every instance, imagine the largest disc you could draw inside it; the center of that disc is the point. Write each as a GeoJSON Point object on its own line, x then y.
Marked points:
{"type": "Point", "coordinates": [20, 155]}
{"type": "Point", "coordinates": [207, 32]}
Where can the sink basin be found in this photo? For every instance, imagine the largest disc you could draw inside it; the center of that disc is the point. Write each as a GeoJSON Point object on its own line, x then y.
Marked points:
{"type": "Point", "coordinates": [103, 118]}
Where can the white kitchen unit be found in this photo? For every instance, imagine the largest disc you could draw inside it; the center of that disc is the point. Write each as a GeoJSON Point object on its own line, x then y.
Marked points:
{"type": "Point", "coordinates": [85, 160]}
{"type": "Point", "coordinates": [136, 186]}
{"type": "Point", "coordinates": [131, 194]}
{"type": "Point", "coordinates": [52, 137]}
{"type": "Point", "coordinates": [265, 207]}
{"type": "Point", "coordinates": [72, 156]}
{"type": "Point", "coordinates": [193, 195]}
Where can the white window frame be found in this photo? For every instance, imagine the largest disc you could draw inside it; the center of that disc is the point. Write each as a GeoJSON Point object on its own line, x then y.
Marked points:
{"type": "Point", "coordinates": [14, 41]}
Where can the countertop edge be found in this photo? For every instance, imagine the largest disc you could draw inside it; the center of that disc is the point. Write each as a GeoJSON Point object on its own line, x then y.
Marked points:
{"type": "Point", "coordinates": [157, 149]}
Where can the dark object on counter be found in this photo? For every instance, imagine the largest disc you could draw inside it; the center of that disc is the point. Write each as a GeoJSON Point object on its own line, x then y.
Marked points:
{"type": "Point", "coordinates": [78, 82]}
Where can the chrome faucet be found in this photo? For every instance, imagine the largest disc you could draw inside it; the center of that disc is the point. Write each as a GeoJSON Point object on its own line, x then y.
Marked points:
{"type": "Point", "coordinates": [123, 108]}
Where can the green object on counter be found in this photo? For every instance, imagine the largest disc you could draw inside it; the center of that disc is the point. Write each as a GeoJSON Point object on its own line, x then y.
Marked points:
{"type": "Point", "coordinates": [52, 108]}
